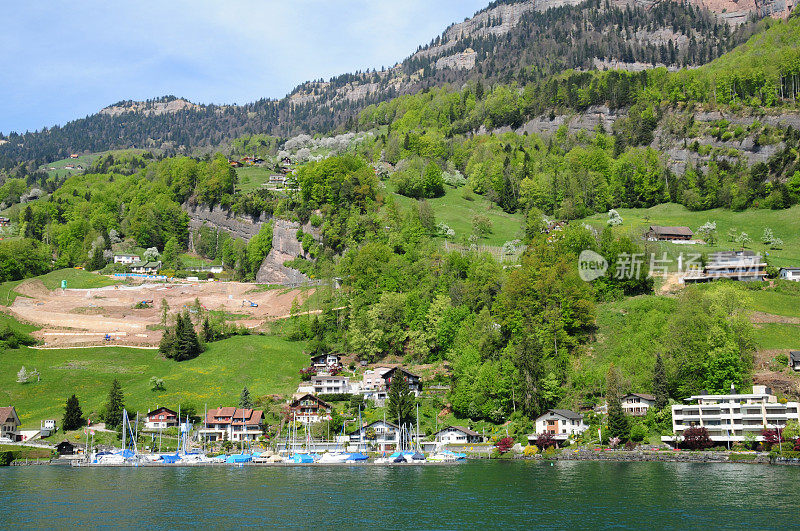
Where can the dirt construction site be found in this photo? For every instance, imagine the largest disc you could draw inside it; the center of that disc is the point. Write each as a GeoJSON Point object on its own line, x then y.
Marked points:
{"type": "Point", "coordinates": [107, 315]}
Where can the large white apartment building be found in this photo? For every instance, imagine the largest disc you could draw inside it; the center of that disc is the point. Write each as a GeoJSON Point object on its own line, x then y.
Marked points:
{"type": "Point", "coordinates": [731, 417]}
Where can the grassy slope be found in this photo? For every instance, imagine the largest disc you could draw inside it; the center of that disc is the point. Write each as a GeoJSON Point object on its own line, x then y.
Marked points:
{"type": "Point", "coordinates": [265, 364]}
{"type": "Point", "coordinates": [784, 223]}
{"type": "Point", "coordinates": [252, 178]}
{"type": "Point", "coordinates": [457, 212]}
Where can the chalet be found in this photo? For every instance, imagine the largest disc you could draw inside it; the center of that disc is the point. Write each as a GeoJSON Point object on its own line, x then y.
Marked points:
{"type": "Point", "coordinates": [9, 424]}
{"type": "Point", "coordinates": [326, 362]}
{"type": "Point", "coordinates": [65, 448]}
{"type": "Point", "coordinates": [235, 164]}
{"type": "Point", "coordinates": [145, 268]}
{"type": "Point", "coordinates": [668, 234]}
{"type": "Point", "coordinates": [790, 273]}
{"type": "Point", "coordinates": [744, 266]}
{"type": "Point", "coordinates": [126, 258]}
{"type": "Point", "coordinates": [458, 435]}
{"type": "Point", "coordinates": [233, 424]}
{"type": "Point", "coordinates": [4, 221]}
{"type": "Point", "coordinates": [330, 384]}
{"type": "Point", "coordinates": [379, 433]}
{"type": "Point", "coordinates": [74, 156]}
{"type": "Point", "coordinates": [554, 226]}
{"type": "Point", "coordinates": [637, 404]}
{"type": "Point", "coordinates": [414, 383]}
{"type": "Point", "coordinates": [310, 409]}
{"type": "Point", "coordinates": [161, 418]}
{"type": "Point", "coordinates": [560, 423]}
{"type": "Point", "coordinates": [794, 360]}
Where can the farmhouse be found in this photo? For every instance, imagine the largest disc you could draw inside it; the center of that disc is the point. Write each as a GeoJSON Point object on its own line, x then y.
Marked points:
{"type": "Point", "coordinates": [637, 404]}
{"type": "Point", "coordinates": [732, 417]}
{"type": "Point", "coordinates": [560, 423]}
{"type": "Point", "coordinates": [659, 233]}
{"type": "Point", "coordinates": [790, 273]}
{"type": "Point", "coordinates": [161, 418]}
{"type": "Point", "coordinates": [458, 435]}
{"type": "Point", "coordinates": [233, 424]}
{"type": "Point", "coordinates": [310, 409]}
{"type": "Point", "coordinates": [4, 221]}
{"type": "Point", "coordinates": [9, 424]}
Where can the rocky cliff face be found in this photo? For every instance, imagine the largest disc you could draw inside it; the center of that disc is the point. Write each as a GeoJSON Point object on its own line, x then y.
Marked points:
{"type": "Point", "coordinates": [285, 245]}
{"type": "Point", "coordinates": [242, 227]}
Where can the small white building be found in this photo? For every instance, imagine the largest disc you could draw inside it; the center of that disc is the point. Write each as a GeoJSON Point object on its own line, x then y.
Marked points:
{"type": "Point", "coordinates": [126, 259]}
{"type": "Point", "coordinates": [790, 273]}
{"type": "Point", "coordinates": [637, 404]}
{"type": "Point", "coordinates": [47, 427]}
{"type": "Point", "coordinates": [560, 423]}
{"type": "Point", "coordinates": [732, 417]}
{"type": "Point", "coordinates": [458, 435]}
{"type": "Point", "coordinates": [326, 384]}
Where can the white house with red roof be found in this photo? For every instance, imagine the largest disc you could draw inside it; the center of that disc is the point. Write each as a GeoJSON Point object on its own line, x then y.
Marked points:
{"type": "Point", "coordinates": [233, 424]}
{"type": "Point", "coordinates": [161, 418]}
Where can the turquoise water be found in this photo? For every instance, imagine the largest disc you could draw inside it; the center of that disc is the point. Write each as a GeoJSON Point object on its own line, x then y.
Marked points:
{"type": "Point", "coordinates": [474, 494]}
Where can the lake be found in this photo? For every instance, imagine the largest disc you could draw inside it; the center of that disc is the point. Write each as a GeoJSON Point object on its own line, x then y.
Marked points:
{"type": "Point", "coordinates": [485, 494]}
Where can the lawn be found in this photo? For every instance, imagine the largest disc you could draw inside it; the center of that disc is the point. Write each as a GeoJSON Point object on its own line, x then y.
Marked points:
{"type": "Point", "coordinates": [774, 336]}
{"type": "Point", "coordinates": [785, 224]}
{"type": "Point", "coordinates": [458, 212]}
{"type": "Point", "coordinates": [265, 364]}
{"type": "Point", "coordinates": [776, 303]}
{"type": "Point", "coordinates": [252, 178]}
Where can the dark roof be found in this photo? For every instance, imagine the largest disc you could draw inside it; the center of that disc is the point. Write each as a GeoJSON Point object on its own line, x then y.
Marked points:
{"type": "Point", "coordinates": [794, 355]}
{"type": "Point", "coordinates": [781, 269]}
{"type": "Point", "coordinates": [365, 426]}
{"type": "Point", "coordinates": [671, 231]}
{"type": "Point", "coordinates": [65, 443]}
{"type": "Point", "coordinates": [462, 429]}
{"type": "Point", "coordinates": [160, 409]}
{"type": "Point", "coordinates": [641, 395]}
{"type": "Point", "coordinates": [5, 413]}
{"type": "Point", "coordinates": [321, 402]}
{"type": "Point", "coordinates": [388, 373]}
{"type": "Point", "coordinates": [566, 413]}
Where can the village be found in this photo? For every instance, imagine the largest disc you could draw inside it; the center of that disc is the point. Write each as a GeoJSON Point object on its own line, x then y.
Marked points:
{"type": "Point", "coordinates": [737, 423]}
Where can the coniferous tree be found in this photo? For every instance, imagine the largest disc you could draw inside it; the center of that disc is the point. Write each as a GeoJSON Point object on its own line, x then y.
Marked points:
{"type": "Point", "coordinates": [660, 383]}
{"type": "Point", "coordinates": [400, 402]}
{"type": "Point", "coordinates": [115, 404]}
{"type": "Point", "coordinates": [206, 333]}
{"type": "Point", "coordinates": [245, 401]}
{"type": "Point", "coordinates": [73, 416]}
{"type": "Point", "coordinates": [617, 421]}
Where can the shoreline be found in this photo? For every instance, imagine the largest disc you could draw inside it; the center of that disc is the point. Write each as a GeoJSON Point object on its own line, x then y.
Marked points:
{"type": "Point", "coordinates": [620, 456]}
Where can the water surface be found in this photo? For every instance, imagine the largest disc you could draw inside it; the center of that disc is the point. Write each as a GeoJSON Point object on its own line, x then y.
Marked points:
{"type": "Point", "coordinates": [470, 495]}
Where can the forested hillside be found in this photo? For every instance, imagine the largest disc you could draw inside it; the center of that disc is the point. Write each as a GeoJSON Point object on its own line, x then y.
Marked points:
{"type": "Point", "coordinates": [530, 47]}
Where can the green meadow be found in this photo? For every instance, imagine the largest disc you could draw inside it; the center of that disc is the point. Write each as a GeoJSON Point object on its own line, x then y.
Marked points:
{"type": "Point", "coordinates": [265, 364]}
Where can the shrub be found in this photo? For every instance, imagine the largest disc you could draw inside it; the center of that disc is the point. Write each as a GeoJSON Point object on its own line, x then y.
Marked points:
{"type": "Point", "coordinates": [696, 438]}
{"type": "Point", "coordinates": [6, 458]}
{"type": "Point", "coordinates": [504, 445]}
{"type": "Point", "coordinates": [638, 432]}
{"type": "Point", "coordinates": [545, 441]}
{"type": "Point", "coordinates": [630, 445]}
{"type": "Point", "coordinates": [531, 450]}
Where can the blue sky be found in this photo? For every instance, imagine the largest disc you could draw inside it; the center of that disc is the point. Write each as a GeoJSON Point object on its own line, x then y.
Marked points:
{"type": "Point", "coordinates": [64, 60]}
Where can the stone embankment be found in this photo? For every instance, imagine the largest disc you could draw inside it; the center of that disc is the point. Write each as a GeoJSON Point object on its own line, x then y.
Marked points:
{"type": "Point", "coordinates": [664, 456]}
